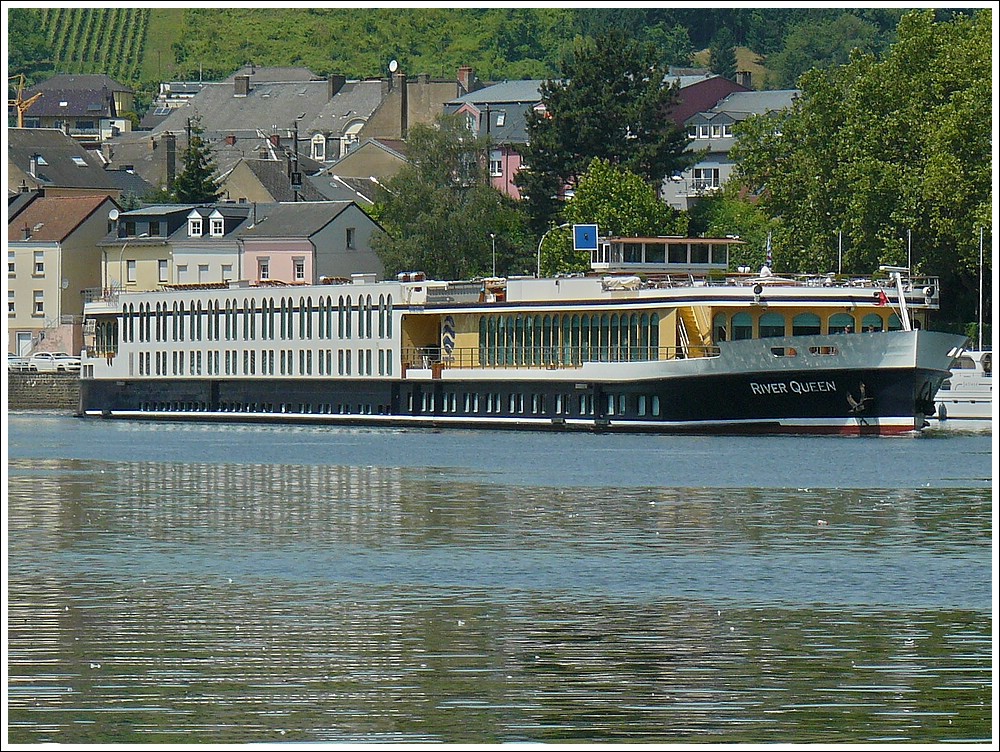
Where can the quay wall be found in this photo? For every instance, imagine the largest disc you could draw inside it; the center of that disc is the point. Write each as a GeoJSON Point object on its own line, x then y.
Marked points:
{"type": "Point", "coordinates": [48, 391]}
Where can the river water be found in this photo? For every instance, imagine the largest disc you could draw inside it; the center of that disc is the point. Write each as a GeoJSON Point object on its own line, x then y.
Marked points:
{"type": "Point", "coordinates": [197, 583]}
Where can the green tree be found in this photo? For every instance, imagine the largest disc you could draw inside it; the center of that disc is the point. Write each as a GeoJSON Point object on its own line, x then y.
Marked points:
{"type": "Point", "coordinates": [619, 203]}
{"type": "Point", "coordinates": [882, 150]}
{"type": "Point", "coordinates": [439, 211]}
{"type": "Point", "coordinates": [196, 183]}
{"type": "Point", "coordinates": [819, 43]}
{"type": "Point", "coordinates": [722, 54]}
{"type": "Point", "coordinates": [28, 52]}
{"type": "Point", "coordinates": [720, 215]}
{"type": "Point", "coordinates": [611, 101]}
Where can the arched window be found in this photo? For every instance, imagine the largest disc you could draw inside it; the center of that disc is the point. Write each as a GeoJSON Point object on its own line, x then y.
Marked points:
{"type": "Point", "coordinates": [894, 323]}
{"type": "Point", "coordinates": [839, 322]}
{"type": "Point", "coordinates": [633, 337]}
{"type": "Point", "coordinates": [719, 333]}
{"type": "Point", "coordinates": [742, 326]}
{"type": "Point", "coordinates": [491, 341]}
{"type": "Point", "coordinates": [482, 341]}
{"type": "Point", "coordinates": [546, 339]}
{"type": "Point", "coordinates": [318, 143]}
{"type": "Point", "coordinates": [805, 324]}
{"type": "Point", "coordinates": [519, 340]}
{"type": "Point", "coordinates": [654, 336]}
{"type": "Point", "coordinates": [566, 339]}
{"type": "Point", "coordinates": [772, 325]}
{"type": "Point", "coordinates": [872, 323]}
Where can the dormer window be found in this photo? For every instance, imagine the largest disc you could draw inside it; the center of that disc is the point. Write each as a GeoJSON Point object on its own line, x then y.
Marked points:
{"type": "Point", "coordinates": [319, 147]}
{"type": "Point", "coordinates": [216, 225]}
{"type": "Point", "coordinates": [194, 227]}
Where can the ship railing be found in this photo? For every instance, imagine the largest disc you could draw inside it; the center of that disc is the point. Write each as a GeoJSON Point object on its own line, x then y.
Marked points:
{"type": "Point", "coordinates": [550, 357]}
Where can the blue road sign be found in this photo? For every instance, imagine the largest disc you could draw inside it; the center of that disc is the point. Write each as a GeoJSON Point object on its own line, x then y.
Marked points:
{"type": "Point", "coordinates": [584, 237]}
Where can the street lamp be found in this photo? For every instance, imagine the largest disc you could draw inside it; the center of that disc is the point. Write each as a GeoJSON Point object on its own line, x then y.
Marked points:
{"type": "Point", "coordinates": [493, 238]}
{"type": "Point", "coordinates": [538, 263]}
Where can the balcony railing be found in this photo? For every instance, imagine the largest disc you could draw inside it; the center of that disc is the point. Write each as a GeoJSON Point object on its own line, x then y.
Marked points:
{"type": "Point", "coordinates": [551, 357]}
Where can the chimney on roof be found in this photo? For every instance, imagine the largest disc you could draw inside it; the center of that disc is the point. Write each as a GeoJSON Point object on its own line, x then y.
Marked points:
{"type": "Point", "coordinates": [230, 139]}
{"type": "Point", "coordinates": [24, 186]}
{"type": "Point", "coordinates": [27, 231]}
{"type": "Point", "coordinates": [400, 78]}
{"type": "Point", "coordinates": [275, 139]}
{"type": "Point", "coordinates": [743, 78]}
{"type": "Point", "coordinates": [465, 78]}
{"type": "Point", "coordinates": [334, 83]}
{"type": "Point", "coordinates": [242, 85]}
{"type": "Point", "coordinates": [33, 165]}
{"type": "Point", "coordinates": [170, 142]}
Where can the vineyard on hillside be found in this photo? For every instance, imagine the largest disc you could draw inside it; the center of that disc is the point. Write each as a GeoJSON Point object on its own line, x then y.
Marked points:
{"type": "Point", "coordinates": [97, 40]}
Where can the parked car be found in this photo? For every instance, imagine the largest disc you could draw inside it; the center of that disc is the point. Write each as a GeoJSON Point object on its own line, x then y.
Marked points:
{"type": "Point", "coordinates": [18, 363]}
{"type": "Point", "coordinates": [54, 361]}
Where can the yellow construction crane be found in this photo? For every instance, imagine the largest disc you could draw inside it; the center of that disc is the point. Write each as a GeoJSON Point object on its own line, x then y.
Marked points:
{"type": "Point", "coordinates": [19, 101]}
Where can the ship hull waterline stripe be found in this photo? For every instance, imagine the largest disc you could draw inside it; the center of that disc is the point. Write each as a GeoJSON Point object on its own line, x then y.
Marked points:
{"type": "Point", "coordinates": [783, 425]}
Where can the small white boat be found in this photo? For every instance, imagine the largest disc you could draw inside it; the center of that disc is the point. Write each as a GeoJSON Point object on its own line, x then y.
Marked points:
{"type": "Point", "coordinates": [968, 393]}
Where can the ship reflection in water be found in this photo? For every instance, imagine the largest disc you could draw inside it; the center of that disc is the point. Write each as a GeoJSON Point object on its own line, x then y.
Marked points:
{"type": "Point", "coordinates": [229, 602]}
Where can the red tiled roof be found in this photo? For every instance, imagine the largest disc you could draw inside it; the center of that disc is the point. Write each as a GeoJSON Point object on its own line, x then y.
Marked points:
{"type": "Point", "coordinates": [53, 219]}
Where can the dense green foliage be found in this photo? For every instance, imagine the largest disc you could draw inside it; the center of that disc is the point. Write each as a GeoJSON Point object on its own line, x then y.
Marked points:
{"type": "Point", "coordinates": [439, 210]}
{"type": "Point", "coordinates": [894, 152]}
{"type": "Point", "coordinates": [619, 203]}
{"type": "Point", "coordinates": [722, 54]}
{"type": "Point", "coordinates": [610, 101]}
{"type": "Point", "coordinates": [500, 43]}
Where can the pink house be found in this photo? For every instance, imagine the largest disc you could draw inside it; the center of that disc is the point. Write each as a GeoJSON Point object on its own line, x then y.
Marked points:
{"type": "Point", "coordinates": [304, 242]}
{"type": "Point", "coordinates": [500, 113]}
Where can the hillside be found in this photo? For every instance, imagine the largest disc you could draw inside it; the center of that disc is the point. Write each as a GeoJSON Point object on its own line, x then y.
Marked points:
{"type": "Point", "coordinates": [143, 46]}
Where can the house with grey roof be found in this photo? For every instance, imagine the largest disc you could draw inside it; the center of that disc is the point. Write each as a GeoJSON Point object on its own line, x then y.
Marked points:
{"type": "Point", "coordinates": [270, 181]}
{"type": "Point", "coordinates": [357, 175]}
{"type": "Point", "coordinates": [307, 242]}
{"type": "Point", "coordinates": [175, 244]}
{"type": "Point", "coordinates": [47, 159]}
{"type": "Point", "coordinates": [710, 134]}
{"type": "Point", "coordinates": [279, 111]}
{"type": "Point", "coordinates": [499, 113]}
{"type": "Point", "coordinates": [89, 107]}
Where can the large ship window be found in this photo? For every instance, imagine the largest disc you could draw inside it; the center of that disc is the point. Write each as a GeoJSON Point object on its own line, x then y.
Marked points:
{"type": "Point", "coordinates": [841, 323]}
{"type": "Point", "coordinates": [805, 324]}
{"type": "Point", "coordinates": [772, 325]}
{"type": "Point", "coordinates": [742, 326]}
{"type": "Point", "coordinates": [699, 253]}
{"type": "Point", "coordinates": [656, 253]}
{"type": "Point", "coordinates": [633, 253]}
{"type": "Point", "coordinates": [871, 323]}
{"type": "Point", "coordinates": [719, 327]}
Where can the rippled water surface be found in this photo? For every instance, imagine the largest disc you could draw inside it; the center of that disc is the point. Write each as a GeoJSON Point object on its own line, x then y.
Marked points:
{"type": "Point", "coordinates": [198, 583]}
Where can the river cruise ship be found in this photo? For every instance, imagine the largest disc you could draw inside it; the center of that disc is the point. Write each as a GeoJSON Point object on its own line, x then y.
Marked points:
{"type": "Point", "coordinates": [659, 337]}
